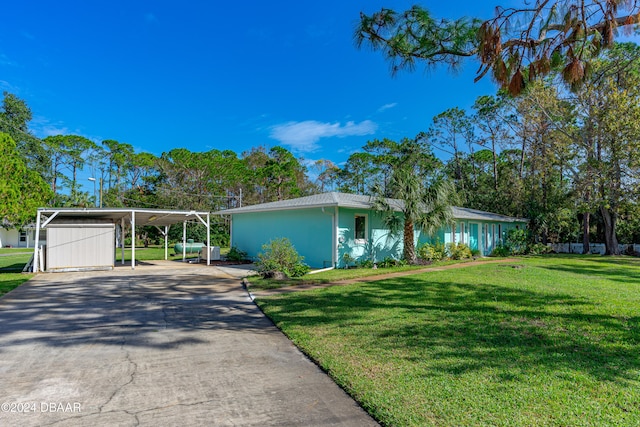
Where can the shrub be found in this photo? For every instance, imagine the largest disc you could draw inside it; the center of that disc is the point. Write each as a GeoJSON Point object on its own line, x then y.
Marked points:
{"type": "Point", "coordinates": [236, 255]}
{"type": "Point", "coordinates": [388, 262]}
{"type": "Point", "coordinates": [516, 241]}
{"type": "Point", "coordinates": [432, 252]}
{"type": "Point", "coordinates": [500, 250]}
{"type": "Point", "coordinates": [458, 251]}
{"type": "Point", "coordinates": [348, 259]}
{"type": "Point", "coordinates": [539, 248]}
{"type": "Point", "coordinates": [280, 255]}
{"type": "Point", "coordinates": [367, 263]}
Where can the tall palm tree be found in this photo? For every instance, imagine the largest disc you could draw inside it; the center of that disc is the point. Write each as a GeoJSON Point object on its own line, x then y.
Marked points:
{"type": "Point", "coordinates": [426, 206]}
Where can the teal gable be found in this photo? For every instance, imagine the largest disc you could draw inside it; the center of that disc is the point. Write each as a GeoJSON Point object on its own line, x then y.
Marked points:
{"type": "Point", "coordinates": [325, 227]}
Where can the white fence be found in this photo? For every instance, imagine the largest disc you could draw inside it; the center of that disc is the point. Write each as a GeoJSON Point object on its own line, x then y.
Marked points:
{"type": "Point", "coordinates": [596, 248]}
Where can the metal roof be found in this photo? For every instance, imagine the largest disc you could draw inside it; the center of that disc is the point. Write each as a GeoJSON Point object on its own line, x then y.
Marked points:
{"type": "Point", "coordinates": [156, 217]}
{"type": "Point", "coordinates": [356, 201]}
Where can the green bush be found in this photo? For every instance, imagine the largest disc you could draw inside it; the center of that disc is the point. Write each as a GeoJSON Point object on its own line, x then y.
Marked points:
{"type": "Point", "coordinates": [280, 255]}
{"type": "Point", "coordinates": [500, 250]}
{"type": "Point", "coordinates": [236, 255]}
{"type": "Point", "coordinates": [539, 248]}
{"type": "Point", "coordinates": [389, 262]}
{"type": "Point", "coordinates": [517, 241]}
{"type": "Point", "coordinates": [367, 263]}
{"type": "Point", "coordinates": [348, 259]}
{"type": "Point", "coordinates": [432, 251]}
{"type": "Point", "coordinates": [458, 251]}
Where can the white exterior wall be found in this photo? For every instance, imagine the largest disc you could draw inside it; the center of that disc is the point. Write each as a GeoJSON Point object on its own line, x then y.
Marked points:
{"type": "Point", "coordinates": [80, 246]}
{"type": "Point", "coordinates": [11, 237]}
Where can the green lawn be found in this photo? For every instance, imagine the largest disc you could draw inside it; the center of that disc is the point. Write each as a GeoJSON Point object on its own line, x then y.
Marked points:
{"type": "Point", "coordinates": [15, 250]}
{"type": "Point", "coordinates": [338, 274]}
{"type": "Point", "coordinates": [544, 341]}
{"type": "Point", "coordinates": [10, 281]}
{"type": "Point", "coordinates": [11, 267]}
{"type": "Point", "coordinates": [14, 263]}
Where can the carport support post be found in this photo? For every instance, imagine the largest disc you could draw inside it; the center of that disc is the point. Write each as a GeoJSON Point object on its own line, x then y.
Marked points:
{"type": "Point", "coordinates": [208, 240]}
{"type": "Point", "coordinates": [133, 240]}
{"type": "Point", "coordinates": [122, 242]}
{"type": "Point", "coordinates": [35, 245]}
{"type": "Point", "coordinates": [184, 240]}
{"type": "Point", "coordinates": [166, 245]}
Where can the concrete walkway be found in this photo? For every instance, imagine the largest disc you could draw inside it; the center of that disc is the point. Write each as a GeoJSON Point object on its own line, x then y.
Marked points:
{"type": "Point", "coordinates": [165, 344]}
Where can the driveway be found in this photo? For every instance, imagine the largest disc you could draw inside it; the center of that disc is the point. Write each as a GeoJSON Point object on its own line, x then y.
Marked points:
{"type": "Point", "coordinates": [171, 344]}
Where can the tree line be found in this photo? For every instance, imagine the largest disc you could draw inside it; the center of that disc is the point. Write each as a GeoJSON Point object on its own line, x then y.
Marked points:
{"type": "Point", "coordinates": [565, 157]}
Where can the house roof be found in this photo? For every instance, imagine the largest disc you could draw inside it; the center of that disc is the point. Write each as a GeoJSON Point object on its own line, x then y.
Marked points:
{"type": "Point", "coordinates": [356, 201]}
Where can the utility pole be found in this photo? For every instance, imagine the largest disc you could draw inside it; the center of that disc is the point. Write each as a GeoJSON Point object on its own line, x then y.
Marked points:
{"type": "Point", "coordinates": [100, 191]}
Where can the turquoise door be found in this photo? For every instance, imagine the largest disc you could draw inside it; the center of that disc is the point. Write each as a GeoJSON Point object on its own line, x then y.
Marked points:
{"type": "Point", "coordinates": [473, 236]}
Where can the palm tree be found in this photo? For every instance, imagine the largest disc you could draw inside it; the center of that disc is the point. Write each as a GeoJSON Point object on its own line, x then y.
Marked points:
{"type": "Point", "coordinates": [426, 206]}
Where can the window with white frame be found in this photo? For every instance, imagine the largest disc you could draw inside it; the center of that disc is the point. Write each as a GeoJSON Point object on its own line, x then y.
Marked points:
{"type": "Point", "coordinates": [361, 228]}
{"type": "Point", "coordinates": [493, 235]}
{"type": "Point", "coordinates": [462, 232]}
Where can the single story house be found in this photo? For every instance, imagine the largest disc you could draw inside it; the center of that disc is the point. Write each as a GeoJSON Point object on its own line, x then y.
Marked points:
{"type": "Point", "coordinates": [17, 237]}
{"type": "Point", "coordinates": [325, 227]}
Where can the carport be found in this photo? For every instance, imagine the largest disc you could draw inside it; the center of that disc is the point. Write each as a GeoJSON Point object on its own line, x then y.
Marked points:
{"type": "Point", "coordinates": [73, 218]}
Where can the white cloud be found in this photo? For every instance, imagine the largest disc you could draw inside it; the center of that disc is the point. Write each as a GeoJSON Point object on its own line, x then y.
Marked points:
{"type": "Point", "coordinates": [387, 107]}
{"type": "Point", "coordinates": [304, 136]}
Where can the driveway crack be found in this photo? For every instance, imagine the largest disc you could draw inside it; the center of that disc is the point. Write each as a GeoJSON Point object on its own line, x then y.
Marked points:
{"type": "Point", "coordinates": [133, 366]}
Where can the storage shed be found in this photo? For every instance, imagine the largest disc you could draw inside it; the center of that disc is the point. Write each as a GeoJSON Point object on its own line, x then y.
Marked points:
{"type": "Point", "coordinates": [88, 238]}
{"type": "Point", "coordinates": [81, 245]}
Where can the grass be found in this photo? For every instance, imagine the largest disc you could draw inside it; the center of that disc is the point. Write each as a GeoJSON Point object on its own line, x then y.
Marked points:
{"type": "Point", "coordinates": [15, 250]}
{"type": "Point", "coordinates": [337, 275]}
{"type": "Point", "coordinates": [10, 281]}
{"type": "Point", "coordinates": [545, 341]}
{"type": "Point", "coordinates": [14, 263]}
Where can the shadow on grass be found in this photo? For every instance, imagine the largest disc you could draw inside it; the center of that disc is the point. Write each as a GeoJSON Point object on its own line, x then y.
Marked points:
{"type": "Point", "coordinates": [624, 269]}
{"type": "Point", "coordinates": [464, 327]}
{"type": "Point", "coordinates": [12, 268]}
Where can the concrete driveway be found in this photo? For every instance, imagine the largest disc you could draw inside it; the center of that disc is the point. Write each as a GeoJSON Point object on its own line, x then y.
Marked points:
{"type": "Point", "coordinates": [171, 344]}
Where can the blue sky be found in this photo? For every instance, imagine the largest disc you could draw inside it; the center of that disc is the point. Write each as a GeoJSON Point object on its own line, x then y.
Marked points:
{"type": "Point", "coordinates": [225, 75]}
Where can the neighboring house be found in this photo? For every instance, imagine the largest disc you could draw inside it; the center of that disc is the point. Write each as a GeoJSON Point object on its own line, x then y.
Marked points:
{"type": "Point", "coordinates": [324, 227]}
{"type": "Point", "coordinates": [17, 238]}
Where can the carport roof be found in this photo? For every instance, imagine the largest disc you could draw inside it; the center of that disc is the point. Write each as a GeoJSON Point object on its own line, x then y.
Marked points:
{"type": "Point", "coordinates": [157, 217]}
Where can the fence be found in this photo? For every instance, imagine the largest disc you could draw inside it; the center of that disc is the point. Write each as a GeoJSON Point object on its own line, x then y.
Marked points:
{"type": "Point", "coordinates": [596, 248]}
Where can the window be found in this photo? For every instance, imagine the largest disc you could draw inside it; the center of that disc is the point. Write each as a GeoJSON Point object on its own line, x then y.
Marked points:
{"type": "Point", "coordinates": [361, 228]}
{"type": "Point", "coordinates": [462, 232]}
{"type": "Point", "coordinates": [23, 236]}
{"type": "Point", "coordinates": [493, 235]}
{"type": "Point", "coordinates": [500, 236]}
